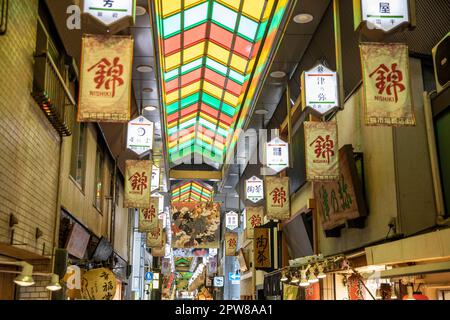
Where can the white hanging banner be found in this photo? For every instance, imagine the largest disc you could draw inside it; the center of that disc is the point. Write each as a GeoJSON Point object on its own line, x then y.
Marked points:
{"type": "Point", "coordinates": [161, 202]}
{"type": "Point", "coordinates": [320, 89]}
{"type": "Point", "coordinates": [254, 189]}
{"type": "Point", "coordinates": [232, 220]}
{"type": "Point", "coordinates": [277, 154]}
{"type": "Point", "coordinates": [140, 135]}
{"type": "Point", "coordinates": [385, 15]}
{"type": "Point", "coordinates": [156, 178]}
{"type": "Point", "coordinates": [110, 11]}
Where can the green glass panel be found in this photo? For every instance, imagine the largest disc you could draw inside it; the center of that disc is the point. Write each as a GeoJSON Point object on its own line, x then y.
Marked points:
{"type": "Point", "coordinates": [171, 108]}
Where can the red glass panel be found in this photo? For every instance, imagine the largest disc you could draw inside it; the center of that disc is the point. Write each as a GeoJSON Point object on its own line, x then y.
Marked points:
{"type": "Point", "coordinates": [221, 36]}
{"type": "Point", "coordinates": [195, 35]}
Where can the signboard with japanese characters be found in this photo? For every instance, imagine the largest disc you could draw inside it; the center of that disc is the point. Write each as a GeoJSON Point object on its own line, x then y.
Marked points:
{"type": "Point", "coordinates": [231, 240]}
{"type": "Point", "coordinates": [212, 265]}
{"type": "Point", "coordinates": [105, 78]}
{"type": "Point", "coordinates": [387, 85]}
{"type": "Point", "coordinates": [254, 189]}
{"type": "Point", "coordinates": [375, 18]}
{"type": "Point", "coordinates": [112, 15]}
{"type": "Point", "coordinates": [320, 89]}
{"type": "Point", "coordinates": [137, 184]}
{"type": "Point", "coordinates": [98, 284]}
{"type": "Point", "coordinates": [231, 220]}
{"type": "Point", "coordinates": [156, 178]}
{"type": "Point", "coordinates": [277, 154]}
{"type": "Point", "coordinates": [218, 282]}
{"type": "Point", "coordinates": [166, 266]}
{"type": "Point", "coordinates": [277, 198]}
{"type": "Point", "coordinates": [262, 249]}
{"type": "Point", "coordinates": [255, 218]}
{"type": "Point", "coordinates": [322, 156]}
{"type": "Point", "coordinates": [341, 200]}
{"type": "Point", "coordinates": [140, 135]}
{"type": "Point", "coordinates": [148, 218]}
{"type": "Point", "coordinates": [155, 237]}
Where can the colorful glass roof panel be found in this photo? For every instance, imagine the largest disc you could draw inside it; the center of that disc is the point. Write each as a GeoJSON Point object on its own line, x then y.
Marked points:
{"type": "Point", "coordinates": [192, 191]}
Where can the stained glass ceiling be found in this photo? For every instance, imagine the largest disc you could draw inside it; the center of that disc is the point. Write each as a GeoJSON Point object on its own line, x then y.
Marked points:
{"type": "Point", "coordinates": [191, 191]}
{"type": "Point", "coordinates": [212, 55]}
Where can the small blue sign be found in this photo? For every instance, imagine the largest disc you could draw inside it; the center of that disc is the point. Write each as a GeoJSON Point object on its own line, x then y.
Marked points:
{"type": "Point", "coordinates": [149, 276]}
{"type": "Point", "coordinates": [234, 277]}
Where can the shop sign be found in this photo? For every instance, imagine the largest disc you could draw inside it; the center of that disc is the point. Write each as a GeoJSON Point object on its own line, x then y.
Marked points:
{"type": "Point", "coordinates": [118, 14]}
{"type": "Point", "coordinates": [148, 218]}
{"type": "Point", "coordinates": [262, 249]}
{"type": "Point", "coordinates": [277, 198]}
{"type": "Point", "coordinates": [137, 184]}
{"type": "Point", "coordinates": [156, 178]}
{"type": "Point", "coordinates": [386, 16]}
{"type": "Point", "coordinates": [234, 278]}
{"type": "Point", "coordinates": [312, 292]}
{"type": "Point", "coordinates": [277, 154]}
{"type": "Point", "coordinates": [218, 282]}
{"type": "Point", "coordinates": [212, 268]}
{"type": "Point", "coordinates": [254, 189]}
{"type": "Point", "coordinates": [166, 266]}
{"type": "Point", "coordinates": [160, 198]}
{"type": "Point", "coordinates": [320, 89]}
{"type": "Point", "coordinates": [231, 241]}
{"type": "Point", "coordinates": [231, 220]}
{"type": "Point", "coordinates": [341, 200]}
{"type": "Point", "coordinates": [155, 237]}
{"type": "Point", "coordinates": [387, 85]}
{"type": "Point", "coordinates": [255, 218]}
{"type": "Point", "coordinates": [105, 78]}
{"type": "Point", "coordinates": [98, 284]}
{"type": "Point", "coordinates": [140, 135]}
{"type": "Point", "coordinates": [322, 156]}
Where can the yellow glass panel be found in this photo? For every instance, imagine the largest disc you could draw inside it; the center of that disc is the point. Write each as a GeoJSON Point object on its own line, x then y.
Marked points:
{"type": "Point", "coordinates": [170, 7]}
{"type": "Point", "coordinates": [189, 117]}
{"type": "Point", "coordinates": [190, 89]}
{"type": "Point", "coordinates": [172, 61]}
{"type": "Point", "coordinates": [213, 90]}
{"type": "Point", "coordinates": [223, 126]}
{"type": "Point", "coordinates": [219, 53]}
{"type": "Point", "coordinates": [238, 63]}
{"type": "Point", "coordinates": [234, 4]}
{"type": "Point", "coordinates": [171, 97]}
{"type": "Point", "coordinates": [253, 8]}
{"type": "Point", "coordinates": [250, 66]}
{"type": "Point", "coordinates": [186, 137]}
{"type": "Point", "coordinates": [210, 119]}
{"type": "Point", "coordinates": [231, 99]}
{"type": "Point", "coordinates": [194, 52]}
{"type": "Point", "coordinates": [173, 124]}
{"type": "Point", "coordinates": [191, 3]}
{"type": "Point", "coordinates": [268, 9]}
{"type": "Point", "coordinates": [205, 138]}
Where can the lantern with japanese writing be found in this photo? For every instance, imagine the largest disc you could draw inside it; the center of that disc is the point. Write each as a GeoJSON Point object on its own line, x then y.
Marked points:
{"type": "Point", "coordinates": [98, 284]}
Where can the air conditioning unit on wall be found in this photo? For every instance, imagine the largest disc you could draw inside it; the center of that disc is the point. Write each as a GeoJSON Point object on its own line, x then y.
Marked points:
{"type": "Point", "coordinates": [441, 59]}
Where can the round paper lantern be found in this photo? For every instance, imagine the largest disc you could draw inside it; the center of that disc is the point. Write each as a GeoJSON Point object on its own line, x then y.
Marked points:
{"type": "Point", "coordinates": [98, 284]}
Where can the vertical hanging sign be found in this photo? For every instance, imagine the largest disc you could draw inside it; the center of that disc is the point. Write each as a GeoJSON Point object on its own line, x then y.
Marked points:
{"type": "Point", "coordinates": [231, 239]}
{"type": "Point", "coordinates": [277, 198]}
{"type": "Point", "coordinates": [155, 237]}
{"type": "Point", "coordinates": [277, 154]}
{"type": "Point", "coordinates": [387, 85]}
{"type": "Point", "coordinates": [254, 189]}
{"type": "Point", "coordinates": [105, 78]}
{"type": "Point", "coordinates": [231, 220]}
{"type": "Point", "coordinates": [262, 249]}
{"type": "Point", "coordinates": [322, 156]}
{"type": "Point", "coordinates": [255, 218]}
{"type": "Point", "coordinates": [116, 15]}
{"type": "Point", "coordinates": [140, 135]}
{"type": "Point", "coordinates": [156, 178]}
{"type": "Point", "coordinates": [320, 89]}
{"type": "Point", "coordinates": [148, 218]}
{"type": "Point", "coordinates": [137, 184]}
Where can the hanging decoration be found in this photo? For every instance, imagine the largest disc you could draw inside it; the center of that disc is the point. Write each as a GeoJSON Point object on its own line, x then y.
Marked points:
{"type": "Point", "coordinates": [277, 198]}
{"type": "Point", "coordinates": [156, 237]}
{"type": "Point", "coordinates": [137, 184]}
{"type": "Point", "coordinates": [148, 218]}
{"type": "Point", "coordinates": [387, 85]}
{"type": "Point", "coordinates": [105, 78]}
{"type": "Point", "coordinates": [231, 240]}
{"type": "Point", "coordinates": [277, 154]}
{"type": "Point", "coordinates": [140, 135]}
{"type": "Point", "coordinates": [231, 220]}
{"type": "Point", "coordinates": [322, 156]}
{"type": "Point", "coordinates": [98, 284]}
{"type": "Point", "coordinates": [254, 189]}
{"type": "Point", "coordinates": [255, 218]}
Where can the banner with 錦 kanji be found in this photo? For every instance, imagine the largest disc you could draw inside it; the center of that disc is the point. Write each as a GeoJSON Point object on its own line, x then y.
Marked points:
{"type": "Point", "coordinates": [321, 151]}
{"type": "Point", "coordinates": [231, 240]}
{"type": "Point", "coordinates": [277, 198]}
{"type": "Point", "coordinates": [105, 78]}
{"type": "Point", "coordinates": [387, 85]}
{"type": "Point", "coordinates": [137, 184]}
{"type": "Point", "coordinates": [155, 237]}
{"type": "Point", "coordinates": [148, 218]}
{"type": "Point", "coordinates": [254, 218]}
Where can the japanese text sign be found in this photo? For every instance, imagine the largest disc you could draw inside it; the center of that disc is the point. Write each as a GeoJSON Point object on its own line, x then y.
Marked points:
{"type": "Point", "coordinates": [156, 178]}
{"type": "Point", "coordinates": [137, 184]}
{"type": "Point", "coordinates": [231, 241]}
{"type": "Point", "coordinates": [277, 198]}
{"type": "Point", "coordinates": [387, 90]}
{"type": "Point", "coordinates": [342, 200]}
{"type": "Point", "coordinates": [140, 135]}
{"type": "Point", "coordinates": [148, 218]}
{"type": "Point", "coordinates": [110, 12]}
{"type": "Point", "coordinates": [105, 80]}
{"type": "Point", "coordinates": [155, 237]}
{"type": "Point", "coordinates": [277, 154]}
{"type": "Point", "coordinates": [322, 156]}
{"type": "Point", "coordinates": [320, 89]}
{"type": "Point", "coordinates": [255, 218]}
{"type": "Point", "coordinates": [231, 220]}
{"type": "Point", "coordinates": [254, 189]}
{"type": "Point", "coordinates": [98, 284]}
{"type": "Point", "coordinates": [262, 249]}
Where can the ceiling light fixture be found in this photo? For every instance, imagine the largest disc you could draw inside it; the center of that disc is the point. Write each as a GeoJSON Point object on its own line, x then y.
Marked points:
{"type": "Point", "coordinates": [278, 74]}
{"type": "Point", "coordinates": [54, 284]}
{"type": "Point", "coordinates": [303, 18]}
{"type": "Point", "coordinates": [147, 90]}
{"type": "Point", "coordinates": [261, 112]}
{"type": "Point", "coordinates": [25, 278]}
{"type": "Point", "coordinates": [140, 11]}
{"type": "Point", "coordinates": [150, 108]}
{"type": "Point", "coordinates": [144, 68]}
